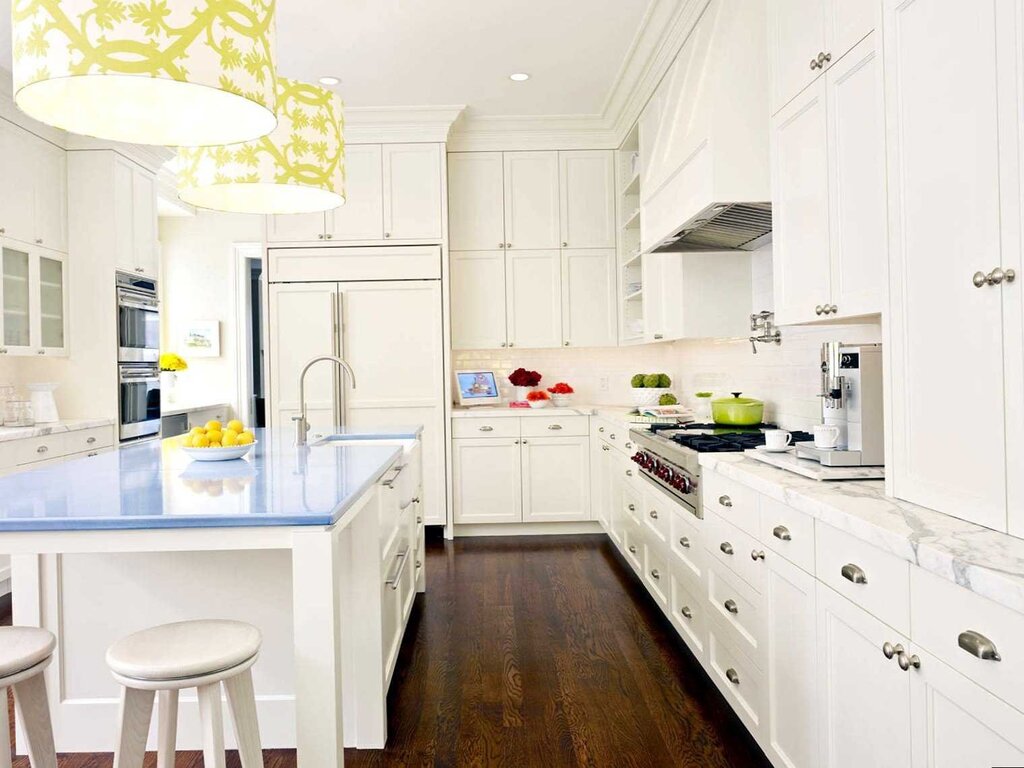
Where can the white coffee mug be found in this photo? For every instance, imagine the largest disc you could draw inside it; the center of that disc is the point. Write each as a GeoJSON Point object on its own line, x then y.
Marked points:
{"type": "Point", "coordinates": [826, 436]}
{"type": "Point", "coordinates": [777, 439]}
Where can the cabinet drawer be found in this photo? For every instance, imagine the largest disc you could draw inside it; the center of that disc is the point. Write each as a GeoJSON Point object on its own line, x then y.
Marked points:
{"type": "Point", "coordinates": [788, 533]}
{"type": "Point", "coordinates": [657, 514]}
{"type": "Point", "coordinates": [633, 545]}
{"type": "Point", "coordinates": [875, 580]}
{"type": "Point", "coordinates": [688, 611]}
{"type": "Point", "coordinates": [686, 543]}
{"type": "Point", "coordinates": [503, 426]}
{"type": "Point", "coordinates": [736, 503]}
{"type": "Point", "coordinates": [631, 504]}
{"type": "Point", "coordinates": [88, 439]}
{"type": "Point", "coordinates": [741, 683]}
{"type": "Point", "coordinates": [656, 576]}
{"type": "Point", "coordinates": [736, 550]}
{"type": "Point", "coordinates": [35, 449]}
{"type": "Point", "coordinates": [739, 611]}
{"type": "Point", "coordinates": [944, 611]}
{"type": "Point", "coordinates": [555, 426]}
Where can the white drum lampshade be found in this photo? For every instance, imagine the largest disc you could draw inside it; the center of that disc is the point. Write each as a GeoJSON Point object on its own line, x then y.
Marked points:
{"type": "Point", "coordinates": [298, 168]}
{"type": "Point", "coordinates": [168, 72]}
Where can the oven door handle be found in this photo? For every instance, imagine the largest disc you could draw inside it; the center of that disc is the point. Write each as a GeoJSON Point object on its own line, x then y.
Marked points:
{"type": "Point", "coordinates": [145, 307]}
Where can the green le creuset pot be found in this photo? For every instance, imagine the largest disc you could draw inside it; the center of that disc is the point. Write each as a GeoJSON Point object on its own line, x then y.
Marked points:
{"type": "Point", "coordinates": [737, 411]}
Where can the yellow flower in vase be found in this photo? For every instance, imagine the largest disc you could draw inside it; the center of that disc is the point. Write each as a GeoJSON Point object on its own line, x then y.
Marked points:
{"type": "Point", "coordinates": [169, 361]}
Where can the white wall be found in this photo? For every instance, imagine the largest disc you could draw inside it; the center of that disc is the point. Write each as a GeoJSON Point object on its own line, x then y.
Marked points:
{"type": "Point", "coordinates": [198, 283]}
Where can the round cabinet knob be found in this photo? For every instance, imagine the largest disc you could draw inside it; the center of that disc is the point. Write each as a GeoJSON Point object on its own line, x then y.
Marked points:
{"type": "Point", "coordinates": [330, 237]}
{"type": "Point", "coordinates": [757, 554]}
{"type": "Point", "coordinates": [906, 662]}
{"type": "Point", "coordinates": [654, 514]}
{"type": "Point", "coordinates": [979, 279]}
{"type": "Point", "coordinates": [320, 236]}
{"type": "Point", "coordinates": [814, 64]}
{"type": "Point", "coordinates": [387, 234]}
{"type": "Point", "coordinates": [567, 343]}
{"type": "Point", "coordinates": [600, 429]}
{"type": "Point", "coordinates": [501, 245]}
{"type": "Point", "coordinates": [655, 575]}
{"type": "Point", "coordinates": [508, 245]}
{"type": "Point", "coordinates": [632, 549]}
{"type": "Point", "coordinates": [819, 309]}
{"type": "Point", "coordinates": [833, 309]}
{"type": "Point", "coordinates": [39, 241]}
{"type": "Point", "coordinates": [889, 650]}
{"type": "Point", "coordinates": [565, 244]}
{"type": "Point", "coordinates": [629, 473]}
{"type": "Point", "coordinates": [684, 542]}
{"type": "Point", "coordinates": [632, 507]}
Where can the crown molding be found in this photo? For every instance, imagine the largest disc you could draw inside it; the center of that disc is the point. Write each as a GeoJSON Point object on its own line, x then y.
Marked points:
{"type": "Point", "coordinates": [148, 156]}
{"type": "Point", "coordinates": [491, 133]}
{"type": "Point", "coordinates": [383, 125]}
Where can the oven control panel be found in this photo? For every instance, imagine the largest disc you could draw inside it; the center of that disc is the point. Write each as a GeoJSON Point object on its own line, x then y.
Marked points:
{"type": "Point", "coordinates": [668, 473]}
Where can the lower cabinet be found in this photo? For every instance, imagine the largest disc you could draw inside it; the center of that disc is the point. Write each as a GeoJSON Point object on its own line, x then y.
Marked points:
{"type": "Point", "coordinates": [556, 479]}
{"type": "Point", "coordinates": [487, 475]}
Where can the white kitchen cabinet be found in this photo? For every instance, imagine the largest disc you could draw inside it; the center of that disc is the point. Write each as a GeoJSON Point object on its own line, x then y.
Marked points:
{"type": "Point", "coordinates": [588, 297]}
{"type": "Point", "coordinates": [533, 300]}
{"type": "Point", "coordinates": [476, 201]}
{"type": "Point", "coordinates": [806, 37]}
{"type": "Point", "coordinates": [864, 697]}
{"type": "Point", "coordinates": [34, 193]}
{"type": "Point", "coordinates": [478, 299]}
{"type": "Point", "coordinates": [362, 215]}
{"type": "Point", "coordinates": [587, 198]}
{"type": "Point", "coordinates": [50, 200]}
{"type": "Point", "coordinates": [531, 200]}
{"type": "Point", "coordinates": [487, 480]}
{"type": "Point", "coordinates": [297, 227]}
{"type": "Point", "coordinates": [556, 479]}
{"type": "Point", "coordinates": [958, 724]}
{"type": "Point", "coordinates": [33, 301]}
{"type": "Point", "coordinates": [412, 191]}
{"type": "Point", "coordinates": [792, 661]}
{"type": "Point", "coordinates": [135, 238]}
{"type": "Point", "coordinates": [948, 127]}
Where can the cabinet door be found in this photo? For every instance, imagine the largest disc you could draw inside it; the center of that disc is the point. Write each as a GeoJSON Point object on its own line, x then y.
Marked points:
{"type": "Point", "coordinates": [857, 194]}
{"type": "Point", "coordinates": [587, 190]}
{"type": "Point", "coordinates": [412, 192]}
{"type": "Point", "coordinates": [144, 236]}
{"type": "Point", "coordinates": [588, 297]}
{"type": "Point", "coordinates": [796, 35]}
{"type": "Point", "coordinates": [800, 255]}
{"type": "Point", "coordinates": [487, 481]}
{"type": "Point", "coordinates": [296, 228]}
{"type": "Point", "coordinates": [958, 724]}
{"type": "Point", "coordinates": [52, 303]}
{"type": "Point", "coordinates": [863, 698]}
{"type": "Point", "coordinates": [302, 324]}
{"type": "Point", "coordinates": [478, 299]}
{"type": "Point", "coordinates": [361, 217]}
{"type": "Point", "coordinates": [664, 310]}
{"type": "Point", "coordinates": [556, 479]}
{"type": "Point", "coordinates": [476, 201]}
{"type": "Point", "coordinates": [533, 298]}
{"type": "Point", "coordinates": [17, 199]}
{"type": "Point", "coordinates": [792, 664]}
{"type": "Point", "coordinates": [849, 23]}
{"type": "Point", "coordinates": [16, 299]}
{"type": "Point", "coordinates": [124, 198]}
{"type": "Point", "coordinates": [947, 128]}
{"type": "Point", "coordinates": [531, 200]}
{"type": "Point", "coordinates": [51, 196]}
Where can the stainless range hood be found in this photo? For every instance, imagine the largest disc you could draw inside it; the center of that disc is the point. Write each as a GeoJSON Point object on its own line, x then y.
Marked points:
{"type": "Point", "coordinates": [722, 227]}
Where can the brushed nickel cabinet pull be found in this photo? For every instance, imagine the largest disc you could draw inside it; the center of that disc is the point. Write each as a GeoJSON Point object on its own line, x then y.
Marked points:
{"type": "Point", "coordinates": [90, 441]}
{"type": "Point", "coordinates": [757, 554]}
{"type": "Point", "coordinates": [654, 574]}
{"type": "Point", "coordinates": [734, 678]}
{"type": "Point", "coordinates": [486, 429]}
{"type": "Point", "coordinates": [654, 514]}
{"type": "Point", "coordinates": [725, 501]}
{"type": "Point", "coordinates": [726, 547]}
{"type": "Point", "coordinates": [42, 449]}
{"type": "Point", "coordinates": [684, 542]}
{"type": "Point", "coordinates": [731, 607]}
{"type": "Point", "coordinates": [685, 610]}
{"type": "Point", "coordinates": [632, 549]}
{"type": "Point", "coordinates": [782, 533]}
{"type": "Point", "coordinates": [854, 573]}
{"type": "Point", "coordinates": [554, 426]}
{"type": "Point", "coordinates": [978, 645]}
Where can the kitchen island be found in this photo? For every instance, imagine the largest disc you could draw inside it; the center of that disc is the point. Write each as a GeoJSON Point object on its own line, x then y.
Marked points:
{"type": "Point", "coordinates": [291, 539]}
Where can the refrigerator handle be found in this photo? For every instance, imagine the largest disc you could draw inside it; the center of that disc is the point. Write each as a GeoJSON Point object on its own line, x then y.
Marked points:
{"type": "Point", "coordinates": [337, 299]}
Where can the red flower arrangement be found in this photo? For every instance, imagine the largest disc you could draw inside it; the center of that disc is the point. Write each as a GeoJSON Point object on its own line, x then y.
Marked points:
{"type": "Point", "coordinates": [537, 394]}
{"type": "Point", "coordinates": [521, 377]}
{"type": "Point", "coordinates": [561, 388]}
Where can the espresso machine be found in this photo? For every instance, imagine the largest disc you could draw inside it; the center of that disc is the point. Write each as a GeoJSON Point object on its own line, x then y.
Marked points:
{"type": "Point", "coordinates": [851, 401]}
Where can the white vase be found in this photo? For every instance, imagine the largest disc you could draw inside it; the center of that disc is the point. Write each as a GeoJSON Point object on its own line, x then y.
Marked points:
{"type": "Point", "coordinates": [521, 393]}
{"type": "Point", "coordinates": [168, 382]}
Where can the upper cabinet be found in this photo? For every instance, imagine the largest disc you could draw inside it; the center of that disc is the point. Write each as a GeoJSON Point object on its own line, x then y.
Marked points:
{"type": "Point", "coordinates": [806, 37]}
{"type": "Point", "coordinates": [393, 192]}
{"type": "Point", "coordinates": [33, 198]}
{"type": "Point", "coordinates": [135, 245]}
{"type": "Point", "coordinates": [476, 201]}
{"type": "Point", "coordinates": [531, 200]}
{"type": "Point", "coordinates": [587, 199]}
{"type": "Point", "coordinates": [33, 300]}
{"type": "Point", "coordinates": [954, 169]}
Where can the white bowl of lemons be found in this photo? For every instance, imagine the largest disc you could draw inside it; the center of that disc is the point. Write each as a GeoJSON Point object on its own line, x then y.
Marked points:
{"type": "Point", "coordinates": [217, 442]}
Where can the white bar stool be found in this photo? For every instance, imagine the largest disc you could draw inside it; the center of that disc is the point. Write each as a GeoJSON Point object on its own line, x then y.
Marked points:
{"type": "Point", "coordinates": [24, 653]}
{"type": "Point", "coordinates": [187, 654]}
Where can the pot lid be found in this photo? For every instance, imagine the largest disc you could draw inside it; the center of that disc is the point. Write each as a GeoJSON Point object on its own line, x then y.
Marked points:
{"type": "Point", "coordinates": [736, 400]}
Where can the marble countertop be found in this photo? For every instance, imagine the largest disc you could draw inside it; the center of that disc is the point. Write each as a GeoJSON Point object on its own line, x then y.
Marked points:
{"type": "Point", "coordinates": [176, 409]}
{"type": "Point", "coordinates": [153, 485]}
{"type": "Point", "coordinates": [52, 428]}
{"type": "Point", "coordinates": [987, 562]}
{"type": "Point", "coordinates": [621, 414]}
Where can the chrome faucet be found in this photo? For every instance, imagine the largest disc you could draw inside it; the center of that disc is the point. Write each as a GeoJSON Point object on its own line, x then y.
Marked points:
{"type": "Point", "coordinates": [301, 424]}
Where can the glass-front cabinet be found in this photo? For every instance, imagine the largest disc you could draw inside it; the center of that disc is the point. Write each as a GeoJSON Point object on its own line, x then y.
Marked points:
{"type": "Point", "coordinates": [33, 300]}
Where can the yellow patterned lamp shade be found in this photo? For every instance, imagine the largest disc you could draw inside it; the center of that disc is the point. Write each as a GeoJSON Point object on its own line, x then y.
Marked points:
{"type": "Point", "coordinates": [171, 72]}
{"type": "Point", "coordinates": [298, 168]}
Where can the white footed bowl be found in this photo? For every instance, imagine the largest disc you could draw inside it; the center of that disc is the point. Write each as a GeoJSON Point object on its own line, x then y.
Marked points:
{"type": "Point", "coordinates": [218, 454]}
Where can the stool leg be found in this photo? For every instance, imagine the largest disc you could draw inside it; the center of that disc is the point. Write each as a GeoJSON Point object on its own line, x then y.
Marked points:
{"type": "Point", "coordinates": [242, 705]}
{"type": "Point", "coordinates": [212, 725]}
{"type": "Point", "coordinates": [30, 700]}
{"type": "Point", "coordinates": [133, 728]}
{"type": "Point", "coordinates": [167, 728]}
{"type": "Point", "coordinates": [5, 739]}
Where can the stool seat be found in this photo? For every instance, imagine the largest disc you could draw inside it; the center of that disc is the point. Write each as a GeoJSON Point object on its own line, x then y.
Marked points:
{"type": "Point", "coordinates": [24, 647]}
{"type": "Point", "coordinates": [184, 649]}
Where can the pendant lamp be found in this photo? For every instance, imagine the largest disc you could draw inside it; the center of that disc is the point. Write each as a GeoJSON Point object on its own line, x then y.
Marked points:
{"type": "Point", "coordinates": [298, 168]}
{"type": "Point", "coordinates": [168, 72]}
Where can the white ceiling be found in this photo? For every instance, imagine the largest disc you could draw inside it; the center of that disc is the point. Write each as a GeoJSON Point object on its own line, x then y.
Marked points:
{"type": "Point", "coordinates": [447, 52]}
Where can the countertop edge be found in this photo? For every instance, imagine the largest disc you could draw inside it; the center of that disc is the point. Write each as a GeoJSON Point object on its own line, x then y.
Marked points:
{"type": "Point", "coordinates": [988, 563]}
{"type": "Point", "coordinates": [44, 429]}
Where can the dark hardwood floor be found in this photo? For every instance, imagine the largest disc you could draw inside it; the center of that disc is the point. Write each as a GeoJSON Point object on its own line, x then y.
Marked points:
{"type": "Point", "coordinates": [542, 651]}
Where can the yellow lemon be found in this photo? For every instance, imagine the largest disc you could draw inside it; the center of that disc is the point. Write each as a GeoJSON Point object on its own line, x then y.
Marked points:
{"type": "Point", "coordinates": [215, 435]}
{"type": "Point", "coordinates": [215, 444]}
{"type": "Point", "coordinates": [246, 438]}
{"type": "Point", "coordinates": [236, 425]}
{"type": "Point", "coordinates": [213, 426]}
{"type": "Point", "coordinates": [229, 431]}
{"type": "Point", "coordinates": [198, 431]}
{"type": "Point", "coordinates": [230, 438]}
{"type": "Point", "coordinates": [200, 441]}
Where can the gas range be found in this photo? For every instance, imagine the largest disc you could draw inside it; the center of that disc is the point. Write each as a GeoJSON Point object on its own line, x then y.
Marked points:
{"type": "Point", "coordinates": [668, 454]}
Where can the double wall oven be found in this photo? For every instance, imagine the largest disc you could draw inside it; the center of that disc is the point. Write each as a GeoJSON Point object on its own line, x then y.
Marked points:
{"type": "Point", "coordinates": [138, 355]}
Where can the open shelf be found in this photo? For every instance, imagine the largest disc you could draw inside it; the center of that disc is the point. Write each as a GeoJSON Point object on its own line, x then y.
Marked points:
{"type": "Point", "coordinates": [632, 186]}
{"type": "Point", "coordinates": [639, 294]}
{"type": "Point", "coordinates": [633, 221]}
{"type": "Point", "coordinates": [632, 260]}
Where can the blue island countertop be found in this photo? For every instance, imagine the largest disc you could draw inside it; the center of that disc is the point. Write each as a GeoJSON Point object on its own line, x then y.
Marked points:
{"type": "Point", "coordinates": [156, 485]}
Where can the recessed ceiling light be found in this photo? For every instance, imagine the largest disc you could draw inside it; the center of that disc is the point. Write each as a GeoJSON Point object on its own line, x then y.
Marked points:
{"type": "Point", "coordinates": [519, 77]}
{"type": "Point", "coordinates": [329, 80]}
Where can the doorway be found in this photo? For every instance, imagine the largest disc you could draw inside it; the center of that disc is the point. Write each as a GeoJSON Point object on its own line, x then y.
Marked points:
{"type": "Point", "coordinates": [249, 336]}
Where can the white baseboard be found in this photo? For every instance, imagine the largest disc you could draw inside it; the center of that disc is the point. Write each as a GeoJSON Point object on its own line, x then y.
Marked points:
{"type": "Point", "coordinates": [527, 529]}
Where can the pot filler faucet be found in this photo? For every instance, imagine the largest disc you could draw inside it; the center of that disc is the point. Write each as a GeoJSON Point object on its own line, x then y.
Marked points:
{"type": "Point", "coordinates": [301, 424]}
